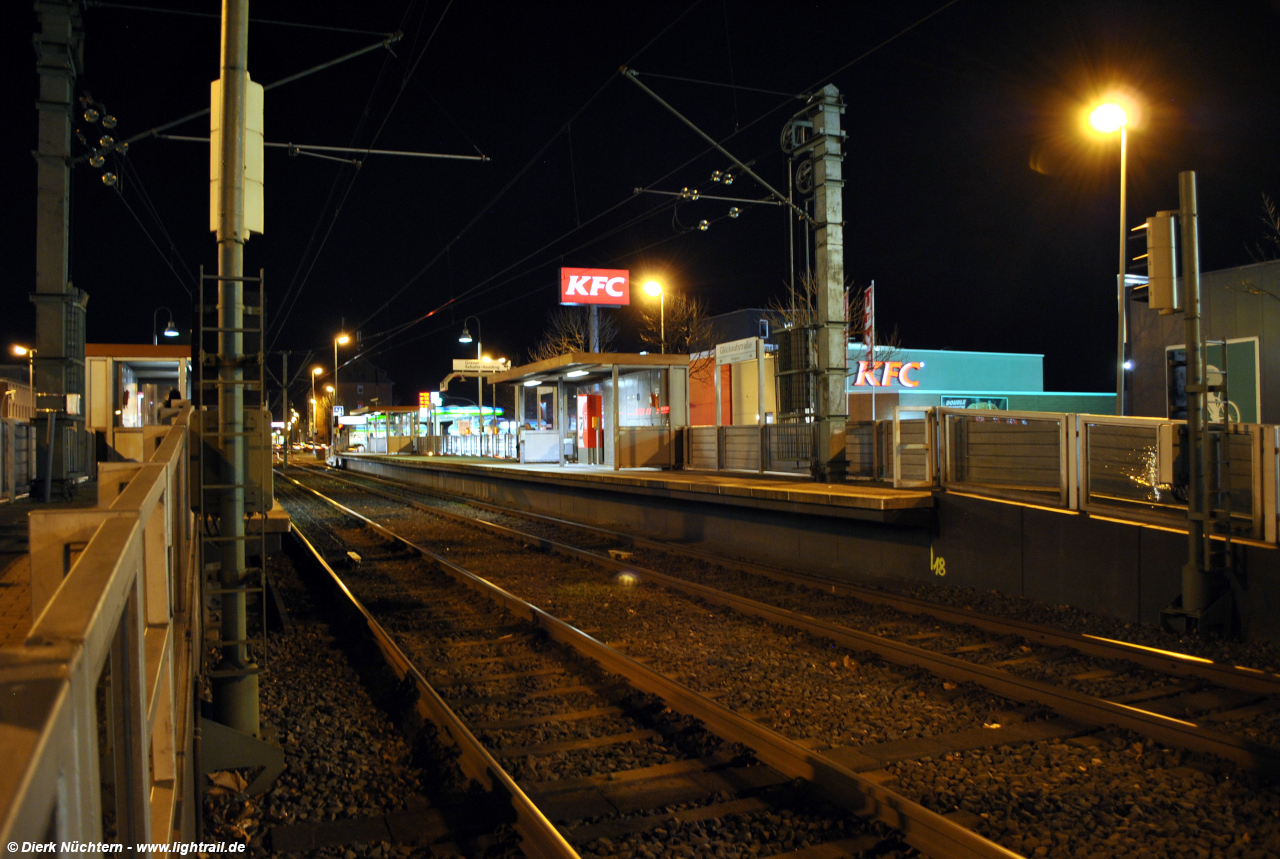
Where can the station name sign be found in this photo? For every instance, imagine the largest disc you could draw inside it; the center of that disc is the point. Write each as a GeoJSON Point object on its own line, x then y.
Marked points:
{"type": "Point", "coordinates": [882, 374]}
{"type": "Point", "coordinates": [607, 286]}
{"type": "Point", "coordinates": [475, 365]}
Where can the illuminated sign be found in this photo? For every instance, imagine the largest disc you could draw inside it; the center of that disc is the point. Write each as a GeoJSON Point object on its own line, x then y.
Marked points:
{"type": "Point", "coordinates": [473, 365]}
{"type": "Point", "coordinates": [608, 286]}
{"type": "Point", "coordinates": [737, 351]}
{"type": "Point", "coordinates": [882, 374]}
{"type": "Point", "coordinates": [984, 403]}
{"type": "Point", "coordinates": [427, 399]}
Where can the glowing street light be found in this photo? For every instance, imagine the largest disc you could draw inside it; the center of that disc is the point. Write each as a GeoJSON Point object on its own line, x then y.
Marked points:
{"type": "Point", "coordinates": [30, 355]}
{"type": "Point", "coordinates": [654, 289]}
{"type": "Point", "coordinates": [169, 329]}
{"type": "Point", "coordinates": [315, 371]}
{"type": "Point", "coordinates": [1108, 118]}
{"type": "Point", "coordinates": [340, 340]}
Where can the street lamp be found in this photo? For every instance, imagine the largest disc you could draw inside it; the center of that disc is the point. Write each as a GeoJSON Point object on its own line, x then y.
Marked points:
{"type": "Point", "coordinates": [315, 371]}
{"type": "Point", "coordinates": [1108, 118]}
{"type": "Point", "coordinates": [31, 371]}
{"type": "Point", "coordinates": [655, 290]}
{"type": "Point", "coordinates": [341, 339]}
{"type": "Point", "coordinates": [465, 337]}
{"type": "Point", "coordinates": [169, 329]}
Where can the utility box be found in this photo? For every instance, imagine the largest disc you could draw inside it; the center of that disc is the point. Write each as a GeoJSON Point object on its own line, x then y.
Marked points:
{"type": "Point", "coordinates": [259, 494]}
{"type": "Point", "coordinates": [1171, 460]}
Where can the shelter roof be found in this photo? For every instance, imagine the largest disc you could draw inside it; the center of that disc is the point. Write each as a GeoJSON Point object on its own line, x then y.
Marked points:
{"type": "Point", "coordinates": [587, 366]}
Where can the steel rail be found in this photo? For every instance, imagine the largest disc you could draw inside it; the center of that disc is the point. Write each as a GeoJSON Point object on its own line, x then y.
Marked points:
{"type": "Point", "coordinates": [1239, 677]}
{"type": "Point", "coordinates": [1084, 708]}
{"type": "Point", "coordinates": [925, 830]}
{"type": "Point", "coordinates": [540, 837]}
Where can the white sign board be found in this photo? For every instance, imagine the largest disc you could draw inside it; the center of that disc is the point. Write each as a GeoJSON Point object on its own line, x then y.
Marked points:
{"type": "Point", "coordinates": [737, 351]}
{"type": "Point", "coordinates": [338, 411]}
{"type": "Point", "coordinates": [472, 365]}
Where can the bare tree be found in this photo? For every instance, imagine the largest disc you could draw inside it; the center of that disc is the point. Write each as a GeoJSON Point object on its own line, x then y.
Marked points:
{"type": "Point", "coordinates": [798, 309]}
{"type": "Point", "coordinates": [1268, 246]}
{"type": "Point", "coordinates": [569, 330]}
{"type": "Point", "coordinates": [1263, 249]}
{"type": "Point", "coordinates": [688, 332]}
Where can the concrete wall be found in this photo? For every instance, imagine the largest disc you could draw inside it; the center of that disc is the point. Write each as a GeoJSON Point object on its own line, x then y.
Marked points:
{"type": "Point", "coordinates": [1120, 570]}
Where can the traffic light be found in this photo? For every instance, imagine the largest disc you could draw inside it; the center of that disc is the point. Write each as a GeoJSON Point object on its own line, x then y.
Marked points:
{"type": "Point", "coordinates": [1162, 264]}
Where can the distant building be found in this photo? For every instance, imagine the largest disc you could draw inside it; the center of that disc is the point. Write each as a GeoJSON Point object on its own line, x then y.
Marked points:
{"type": "Point", "coordinates": [1239, 305]}
{"type": "Point", "coordinates": [364, 385]}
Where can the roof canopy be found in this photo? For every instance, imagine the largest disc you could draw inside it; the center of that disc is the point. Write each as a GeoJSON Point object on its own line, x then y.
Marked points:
{"type": "Point", "coordinates": [586, 367]}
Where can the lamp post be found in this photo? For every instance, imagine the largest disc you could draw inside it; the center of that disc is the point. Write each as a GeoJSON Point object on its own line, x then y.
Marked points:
{"type": "Point", "coordinates": [333, 398]}
{"type": "Point", "coordinates": [342, 339]}
{"type": "Point", "coordinates": [31, 372]}
{"type": "Point", "coordinates": [1108, 118]}
{"type": "Point", "coordinates": [169, 330]}
{"type": "Point", "coordinates": [315, 371]}
{"type": "Point", "coordinates": [465, 337]}
{"type": "Point", "coordinates": [655, 290]}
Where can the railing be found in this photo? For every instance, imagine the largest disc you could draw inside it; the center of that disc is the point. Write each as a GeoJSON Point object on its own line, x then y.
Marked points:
{"type": "Point", "coordinates": [17, 458]}
{"type": "Point", "coordinates": [1126, 463]}
{"type": "Point", "coordinates": [480, 444]}
{"type": "Point", "coordinates": [1019, 456]}
{"type": "Point", "coordinates": [100, 747]}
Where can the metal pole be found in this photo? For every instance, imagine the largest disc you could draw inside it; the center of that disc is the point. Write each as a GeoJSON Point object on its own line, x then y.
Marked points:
{"type": "Point", "coordinates": [594, 329]}
{"type": "Point", "coordinates": [1121, 310]}
{"type": "Point", "coordinates": [480, 389]}
{"type": "Point", "coordinates": [662, 319]}
{"type": "Point", "coordinates": [1194, 590]}
{"type": "Point", "coordinates": [312, 427]}
{"type": "Point", "coordinates": [235, 695]}
{"type": "Point", "coordinates": [335, 388]}
{"type": "Point", "coordinates": [288, 428]}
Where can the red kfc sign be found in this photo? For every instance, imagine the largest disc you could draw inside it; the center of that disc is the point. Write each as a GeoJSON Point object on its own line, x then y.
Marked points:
{"type": "Point", "coordinates": [595, 286]}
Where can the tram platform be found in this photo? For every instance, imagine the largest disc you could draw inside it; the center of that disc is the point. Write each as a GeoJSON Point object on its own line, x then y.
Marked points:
{"type": "Point", "coordinates": [784, 492]}
{"type": "Point", "coordinates": [15, 562]}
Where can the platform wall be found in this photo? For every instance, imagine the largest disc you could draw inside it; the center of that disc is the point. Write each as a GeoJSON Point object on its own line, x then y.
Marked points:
{"type": "Point", "coordinates": [1121, 570]}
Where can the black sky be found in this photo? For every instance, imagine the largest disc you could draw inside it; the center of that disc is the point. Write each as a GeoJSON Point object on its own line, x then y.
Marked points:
{"type": "Point", "coordinates": [986, 218]}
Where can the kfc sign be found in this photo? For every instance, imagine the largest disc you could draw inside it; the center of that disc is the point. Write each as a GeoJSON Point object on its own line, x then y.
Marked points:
{"type": "Point", "coordinates": [595, 286]}
{"type": "Point", "coordinates": [882, 374]}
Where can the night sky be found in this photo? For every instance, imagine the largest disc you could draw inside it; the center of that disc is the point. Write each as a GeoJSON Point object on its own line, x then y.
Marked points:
{"type": "Point", "coordinates": [986, 217]}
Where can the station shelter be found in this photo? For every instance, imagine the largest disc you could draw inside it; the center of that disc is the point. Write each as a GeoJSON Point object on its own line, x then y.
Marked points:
{"type": "Point", "coordinates": [617, 410]}
{"type": "Point", "coordinates": [126, 385]}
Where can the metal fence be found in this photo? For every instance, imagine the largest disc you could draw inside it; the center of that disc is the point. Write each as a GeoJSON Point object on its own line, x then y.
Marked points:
{"type": "Point", "coordinates": [501, 445]}
{"type": "Point", "coordinates": [1021, 456]}
{"type": "Point", "coordinates": [105, 675]}
{"type": "Point", "coordinates": [17, 458]}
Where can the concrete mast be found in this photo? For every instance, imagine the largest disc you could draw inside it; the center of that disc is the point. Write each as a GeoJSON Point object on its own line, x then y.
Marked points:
{"type": "Point", "coordinates": [832, 413]}
{"type": "Point", "coordinates": [235, 693]}
{"type": "Point", "coordinates": [60, 307]}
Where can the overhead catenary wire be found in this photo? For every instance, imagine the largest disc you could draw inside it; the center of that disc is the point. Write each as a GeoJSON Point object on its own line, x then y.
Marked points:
{"type": "Point", "coordinates": [377, 134]}
{"type": "Point", "coordinates": [715, 146]}
{"type": "Point", "coordinates": [100, 4]}
{"type": "Point", "coordinates": [502, 192]}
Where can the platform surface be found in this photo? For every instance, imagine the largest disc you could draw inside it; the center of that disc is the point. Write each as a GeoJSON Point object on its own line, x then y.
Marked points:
{"type": "Point", "coordinates": [15, 564]}
{"type": "Point", "coordinates": [726, 485]}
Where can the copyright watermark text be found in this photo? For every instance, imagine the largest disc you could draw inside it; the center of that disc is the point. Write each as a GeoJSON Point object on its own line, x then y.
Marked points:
{"type": "Point", "coordinates": [178, 848]}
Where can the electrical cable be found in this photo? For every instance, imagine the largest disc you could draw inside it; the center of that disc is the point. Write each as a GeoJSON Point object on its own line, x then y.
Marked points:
{"type": "Point", "coordinates": [484, 209]}
{"type": "Point", "coordinates": [124, 166]}
{"type": "Point", "coordinates": [154, 243]}
{"type": "Point", "coordinates": [133, 8]}
{"type": "Point", "coordinates": [351, 184]}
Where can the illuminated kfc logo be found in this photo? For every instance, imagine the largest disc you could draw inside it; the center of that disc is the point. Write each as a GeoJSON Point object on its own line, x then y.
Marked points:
{"type": "Point", "coordinates": [595, 286]}
{"type": "Point", "coordinates": [882, 374]}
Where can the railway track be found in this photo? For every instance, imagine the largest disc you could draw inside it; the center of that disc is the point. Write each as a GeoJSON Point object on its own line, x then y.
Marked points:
{"type": "Point", "coordinates": [1176, 699]}
{"type": "Point", "coordinates": [621, 758]}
